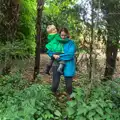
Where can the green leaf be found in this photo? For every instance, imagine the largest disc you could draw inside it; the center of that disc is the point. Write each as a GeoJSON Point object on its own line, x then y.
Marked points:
{"type": "Point", "coordinates": [93, 105]}
{"type": "Point", "coordinates": [80, 118]}
{"type": "Point", "coordinates": [108, 110]}
{"type": "Point", "coordinates": [102, 103]}
{"type": "Point", "coordinates": [99, 110]}
{"type": "Point", "coordinates": [106, 117]}
{"type": "Point", "coordinates": [81, 110]}
{"type": "Point", "coordinates": [57, 113]}
{"type": "Point", "coordinates": [39, 119]}
{"type": "Point", "coordinates": [91, 118]}
{"type": "Point", "coordinates": [110, 105]}
{"type": "Point", "coordinates": [91, 114]}
{"type": "Point", "coordinates": [97, 117]}
{"type": "Point", "coordinates": [70, 111]}
{"type": "Point", "coordinates": [72, 103]}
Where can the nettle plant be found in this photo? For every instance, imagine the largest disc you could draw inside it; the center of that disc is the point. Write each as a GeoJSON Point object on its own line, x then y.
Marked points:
{"type": "Point", "coordinates": [22, 101]}
{"type": "Point", "coordinates": [99, 105]}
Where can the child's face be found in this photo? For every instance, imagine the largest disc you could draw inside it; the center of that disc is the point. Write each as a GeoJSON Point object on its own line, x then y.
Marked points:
{"type": "Point", "coordinates": [63, 35]}
{"type": "Point", "coordinates": [54, 31]}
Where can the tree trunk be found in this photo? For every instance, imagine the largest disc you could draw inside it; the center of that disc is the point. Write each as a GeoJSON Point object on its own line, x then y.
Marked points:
{"type": "Point", "coordinates": [113, 33]}
{"type": "Point", "coordinates": [14, 15]}
{"type": "Point", "coordinates": [10, 9]}
{"type": "Point", "coordinates": [40, 4]}
{"type": "Point", "coordinates": [91, 43]}
{"type": "Point", "coordinates": [11, 12]}
{"type": "Point", "coordinates": [111, 55]}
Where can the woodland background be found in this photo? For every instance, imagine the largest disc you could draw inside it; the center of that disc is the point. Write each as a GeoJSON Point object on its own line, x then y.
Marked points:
{"type": "Point", "coordinates": [25, 93]}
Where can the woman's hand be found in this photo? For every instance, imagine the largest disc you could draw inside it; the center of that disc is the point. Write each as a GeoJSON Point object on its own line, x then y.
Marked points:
{"type": "Point", "coordinates": [56, 56]}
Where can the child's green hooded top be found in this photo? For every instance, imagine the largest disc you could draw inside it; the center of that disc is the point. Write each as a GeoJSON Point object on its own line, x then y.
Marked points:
{"type": "Point", "coordinates": [55, 43]}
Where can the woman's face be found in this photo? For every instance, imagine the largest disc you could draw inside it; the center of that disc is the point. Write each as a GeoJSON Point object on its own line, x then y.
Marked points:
{"type": "Point", "coordinates": [63, 35]}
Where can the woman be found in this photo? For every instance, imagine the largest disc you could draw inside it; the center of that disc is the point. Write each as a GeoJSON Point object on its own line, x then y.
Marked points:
{"type": "Point", "coordinates": [68, 58]}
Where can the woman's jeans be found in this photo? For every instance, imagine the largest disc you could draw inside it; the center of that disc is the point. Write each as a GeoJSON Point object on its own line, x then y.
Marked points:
{"type": "Point", "coordinates": [56, 81]}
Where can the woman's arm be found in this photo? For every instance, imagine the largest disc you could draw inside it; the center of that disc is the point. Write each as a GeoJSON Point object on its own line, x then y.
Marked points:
{"type": "Point", "coordinates": [69, 54]}
{"type": "Point", "coordinates": [53, 54]}
{"type": "Point", "coordinates": [66, 56]}
{"type": "Point", "coordinates": [50, 53]}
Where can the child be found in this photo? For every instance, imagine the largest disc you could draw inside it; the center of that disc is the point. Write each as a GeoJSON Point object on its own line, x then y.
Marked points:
{"type": "Point", "coordinates": [55, 44]}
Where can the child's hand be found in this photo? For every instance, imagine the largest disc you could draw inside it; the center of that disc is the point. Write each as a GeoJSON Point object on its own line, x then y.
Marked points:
{"type": "Point", "coordinates": [56, 56]}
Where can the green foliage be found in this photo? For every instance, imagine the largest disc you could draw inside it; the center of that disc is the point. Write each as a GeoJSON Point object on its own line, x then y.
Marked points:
{"type": "Point", "coordinates": [27, 23]}
{"type": "Point", "coordinates": [17, 37]}
{"type": "Point", "coordinates": [10, 52]}
{"type": "Point", "coordinates": [67, 14]}
{"type": "Point", "coordinates": [5, 21]}
{"type": "Point", "coordinates": [22, 30]}
{"type": "Point", "coordinates": [62, 14]}
{"type": "Point", "coordinates": [13, 51]}
{"type": "Point", "coordinates": [58, 12]}
{"type": "Point", "coordinates": [21, 101]}
{"type": "Point", "coordinates": [103, 104]}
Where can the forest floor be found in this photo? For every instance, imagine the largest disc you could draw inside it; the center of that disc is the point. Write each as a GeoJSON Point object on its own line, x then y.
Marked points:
{"type": "Point", "coordinates": [27, 68]}
{"type": "Point", "coordinates": [79, 80]}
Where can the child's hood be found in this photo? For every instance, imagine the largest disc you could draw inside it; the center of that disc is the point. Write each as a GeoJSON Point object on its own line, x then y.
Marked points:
{"type": "Point", "coordinates": [52, 36]}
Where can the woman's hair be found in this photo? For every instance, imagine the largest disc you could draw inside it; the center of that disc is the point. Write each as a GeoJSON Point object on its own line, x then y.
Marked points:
{"type": "Point", "coordinates": [64, 30]}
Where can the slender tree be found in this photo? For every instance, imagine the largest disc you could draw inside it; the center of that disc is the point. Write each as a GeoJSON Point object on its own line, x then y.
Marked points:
{"type": "Point", "coordinates": [91, 42]}
{"type": "Point", "coordinates": [8, 26]}
{"type": "Point", "coordinates": [40, 4]}
{"type": "Point", "coordinates": [112, 17]}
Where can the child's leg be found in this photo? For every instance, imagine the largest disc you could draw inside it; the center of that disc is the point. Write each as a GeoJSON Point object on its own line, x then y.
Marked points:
{"type": "Point", "coordinates": [61, 66]}
{"type": "Point", "coordinates": [51, 62]}
{"type": "Point", "coordinates": [49, 65]}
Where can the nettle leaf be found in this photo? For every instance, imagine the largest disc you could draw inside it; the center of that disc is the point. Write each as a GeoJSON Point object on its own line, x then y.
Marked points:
{"type": "Point", "coordinates": [102, 104]}
{"type": "Point", "coordinates": [110, 105]}
{"type": "Point", "coordinates": [97, 117]}
{"type": "Point", "coordinates": [80, 118]}
{"type": "Point", "coordinates": [29, 110]}
{"type": "Point", "coordinates": [81, 110]}
{"type": "Point", "coordinates": [40, 119]}
{"type": "Point", "coordinates": [72, 103]}
{"type": "Point", "coordinates": [91, 114]}
{"type": "Point", "coordinates": [108, 110]}
{"type": "Point", "coordinates": [57, 113]}
{"type": "Point", "coordinates": [70, 111]}
{"type": "Point", "coordinates": [106, 117]}
{"type": "Point", "coordinates": [91, 118]}
{"type": "Point", "coordinates": [48, 114]}
{"type": "Point", "coordinates": [99, 111]}
{"type": "Point", "coordinates": [93, 105]}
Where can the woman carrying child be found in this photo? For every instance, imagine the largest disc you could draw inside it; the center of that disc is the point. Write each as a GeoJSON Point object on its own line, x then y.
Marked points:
{"type": "Point", "coordinates": [68, 60]}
